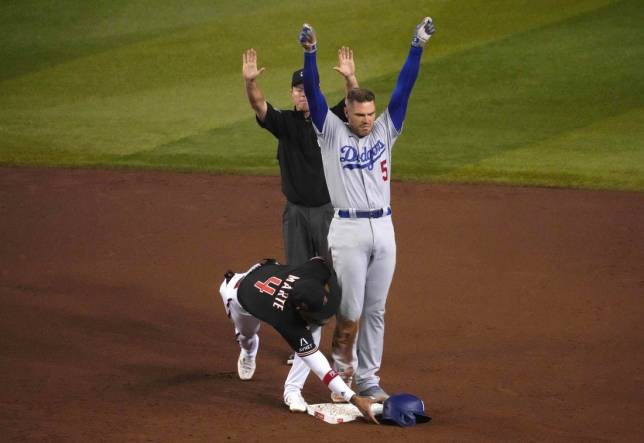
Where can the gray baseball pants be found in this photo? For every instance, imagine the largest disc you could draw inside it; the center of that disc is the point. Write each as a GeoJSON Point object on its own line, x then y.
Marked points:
{"type": "Point", "coordinates": [305, 231]}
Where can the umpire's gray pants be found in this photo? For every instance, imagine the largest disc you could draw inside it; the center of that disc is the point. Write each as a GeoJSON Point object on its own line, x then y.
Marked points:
{"type": "Point", "coordinates": [305, 232]}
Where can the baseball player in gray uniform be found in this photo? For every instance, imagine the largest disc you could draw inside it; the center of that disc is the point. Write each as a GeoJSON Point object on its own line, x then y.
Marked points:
{"type": "Point", "coordinates": [357, 166]}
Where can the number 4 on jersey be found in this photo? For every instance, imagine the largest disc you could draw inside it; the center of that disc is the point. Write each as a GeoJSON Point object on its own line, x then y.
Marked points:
{"type": "Point", "coordinates": [265, 287]}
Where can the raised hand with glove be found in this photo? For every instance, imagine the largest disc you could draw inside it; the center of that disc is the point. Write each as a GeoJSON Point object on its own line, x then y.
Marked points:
{"type": "Point", "coordinates": [308, 39]}
{"type": "Point", "coordinates": [423, 32]}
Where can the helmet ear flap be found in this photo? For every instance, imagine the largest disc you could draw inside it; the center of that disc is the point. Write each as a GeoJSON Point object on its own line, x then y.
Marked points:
{"type": "Point", "coordinates": [408, 419]}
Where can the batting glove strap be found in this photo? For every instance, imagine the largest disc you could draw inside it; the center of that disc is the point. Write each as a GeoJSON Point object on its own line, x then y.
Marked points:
{"type": "Point", "coordinates": [311, 49]}
{"type": "Point", "coordinates": [423, 33]}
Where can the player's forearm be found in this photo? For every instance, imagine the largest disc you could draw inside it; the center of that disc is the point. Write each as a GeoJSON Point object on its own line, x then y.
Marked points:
{"type": "Point", "coordinates": [256, 99]}
{"type": "Point", "coordinates": [350, 82]}
{"type": "Point", "coordinates": [400, 97]}
{"type": "Point", "coordinates": [317, 103]}
{"type": "Point", "coordinates": [320, 366]}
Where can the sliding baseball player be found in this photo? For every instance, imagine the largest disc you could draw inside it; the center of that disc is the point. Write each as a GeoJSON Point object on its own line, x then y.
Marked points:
{"type": "Point", "coordinates": [293, 299]}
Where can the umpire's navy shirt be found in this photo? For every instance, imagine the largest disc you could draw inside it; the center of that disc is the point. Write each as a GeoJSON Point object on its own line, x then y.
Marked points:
{"type": "Point", "coordinates": [299, 155]}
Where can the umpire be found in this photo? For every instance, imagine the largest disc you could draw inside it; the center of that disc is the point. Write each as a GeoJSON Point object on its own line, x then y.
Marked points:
{"type": "Point", "coordinates": [308, 210]}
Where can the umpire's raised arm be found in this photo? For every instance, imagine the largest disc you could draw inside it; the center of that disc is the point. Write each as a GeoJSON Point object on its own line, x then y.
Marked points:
{"type": "Point", "coordinates": [400, 97]}
{"type": "Point", "coordinates": [317, 103]}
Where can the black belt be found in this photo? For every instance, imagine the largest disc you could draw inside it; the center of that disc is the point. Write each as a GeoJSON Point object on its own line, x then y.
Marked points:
{"type": "Point", "coordinates": [373, 213]}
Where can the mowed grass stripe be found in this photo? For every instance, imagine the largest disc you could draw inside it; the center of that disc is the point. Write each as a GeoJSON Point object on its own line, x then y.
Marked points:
{"type": "Point", "coordinates": [175, 99]}
{"type": "Point", "coordinates": [590, 157]}
{"type": "Point", "coordinates": [526, 90]}
{"type": "Point", "coordinates": [471, 111]}
{"type": "Point", "coordinates": [39, 35]}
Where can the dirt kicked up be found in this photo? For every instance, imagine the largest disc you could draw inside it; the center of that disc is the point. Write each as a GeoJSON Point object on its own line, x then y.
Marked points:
{"type": "Point", "coordinates": [515, 313]}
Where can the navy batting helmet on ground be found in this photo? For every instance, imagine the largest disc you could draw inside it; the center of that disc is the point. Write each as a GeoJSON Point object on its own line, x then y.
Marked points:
{"type": "Point", "coordinates": [404, 410]}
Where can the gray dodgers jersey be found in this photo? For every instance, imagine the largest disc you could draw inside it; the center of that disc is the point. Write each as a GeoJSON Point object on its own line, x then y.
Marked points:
{"type": "Point", "coordinates": [357, 170]}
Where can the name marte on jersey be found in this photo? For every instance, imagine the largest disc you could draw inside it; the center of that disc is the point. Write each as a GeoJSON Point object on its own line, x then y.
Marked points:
{"type": "Point", "coordinates": [283, 293]}
{"type": "Point", "coordinates": [351, 158]}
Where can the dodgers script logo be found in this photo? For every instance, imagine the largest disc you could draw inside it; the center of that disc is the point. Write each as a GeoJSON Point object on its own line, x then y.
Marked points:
{"type": "Point", "coordinates": [352, 159]}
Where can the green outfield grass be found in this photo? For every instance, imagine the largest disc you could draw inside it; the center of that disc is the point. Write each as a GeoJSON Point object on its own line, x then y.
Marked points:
{"type": "Point", "coordinates": [542, 92]}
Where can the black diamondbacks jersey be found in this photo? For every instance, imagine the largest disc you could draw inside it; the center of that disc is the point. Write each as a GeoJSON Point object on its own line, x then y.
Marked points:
{"type": "Point", "coordinates": [265, 292]}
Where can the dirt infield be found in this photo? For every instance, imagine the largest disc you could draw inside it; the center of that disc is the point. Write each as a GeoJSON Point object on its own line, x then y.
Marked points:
{"type": "Point", "coordinates": [516, 314]}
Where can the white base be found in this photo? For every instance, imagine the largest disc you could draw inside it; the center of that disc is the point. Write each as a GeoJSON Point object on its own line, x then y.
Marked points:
{"type": "Point", "coordinates": [336, 413]}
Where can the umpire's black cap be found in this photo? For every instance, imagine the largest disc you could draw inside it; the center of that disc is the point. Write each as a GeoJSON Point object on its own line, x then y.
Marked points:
{"type": "Point", "coordinates": [313, 298]}
{"type": "Point", "coordinates": [298, 78]}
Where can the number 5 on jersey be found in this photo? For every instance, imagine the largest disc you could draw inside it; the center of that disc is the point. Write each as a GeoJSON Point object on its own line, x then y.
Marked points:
{"type": "Point", "coordinates": [385, 171]}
